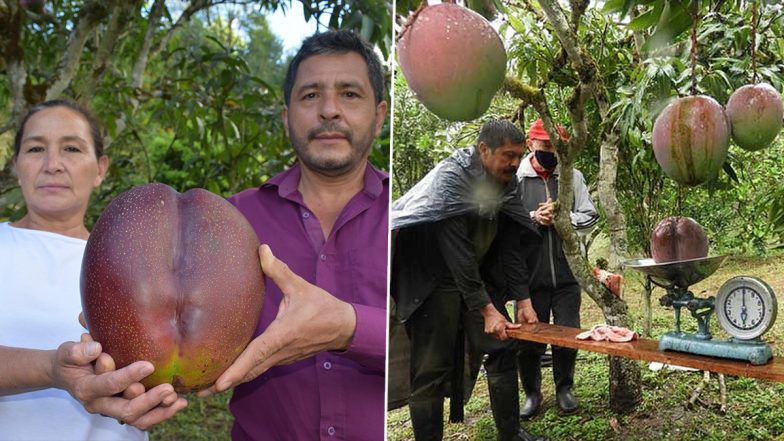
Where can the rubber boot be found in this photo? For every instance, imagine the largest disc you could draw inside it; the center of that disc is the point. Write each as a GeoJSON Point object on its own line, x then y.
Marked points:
{"type": "Point", "coordinates": [427, 419]}
{"type": "Point", "coordinates": [546, 360]}
{"type": "Point", "coordinates": [564, 360]}
{"type": "Point", "coordinates": [531, 377]}
{"type": "Point", "coordinates": [504, 401]}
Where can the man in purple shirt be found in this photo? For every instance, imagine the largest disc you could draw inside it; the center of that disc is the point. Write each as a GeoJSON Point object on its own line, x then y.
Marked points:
{"type": "Point", "coordinates": [316, 368]}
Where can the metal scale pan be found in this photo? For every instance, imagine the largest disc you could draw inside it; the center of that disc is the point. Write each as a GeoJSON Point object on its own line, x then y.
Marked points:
{"type": "Point", "coordinates": [676, 277]}
{"type": "Point", "coordinates": [682, 273]}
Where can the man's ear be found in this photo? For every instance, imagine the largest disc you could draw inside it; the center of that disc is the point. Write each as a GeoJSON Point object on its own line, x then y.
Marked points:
{"type": "Point", "coordinates": [484, 150]}
{"type": "Point", "coordinates": [284, 115]}
{"type": "Point", "coordinates": [381, 111]}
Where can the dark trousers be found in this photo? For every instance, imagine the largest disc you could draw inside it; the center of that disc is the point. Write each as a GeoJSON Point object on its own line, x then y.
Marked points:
{"type": "Point", "coordinates": [433, 333]}
{"type": "Point", "coordinates": [563, 304]}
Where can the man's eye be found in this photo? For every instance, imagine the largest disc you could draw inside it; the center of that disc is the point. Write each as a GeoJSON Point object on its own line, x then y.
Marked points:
{"type": "Point", "coordinates": [72, 148]}
{"type": "Point", "coordinates": [35, 149]}
{"type": "Point", "coordinates": [310, 96]}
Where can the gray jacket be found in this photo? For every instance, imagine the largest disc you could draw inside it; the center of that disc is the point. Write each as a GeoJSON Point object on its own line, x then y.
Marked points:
{"type": "Point", "coordinates": [553, 268]}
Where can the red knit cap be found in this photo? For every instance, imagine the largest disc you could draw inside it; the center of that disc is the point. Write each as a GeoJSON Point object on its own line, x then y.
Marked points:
{"type": "Point", "coordinates": [537, 131]}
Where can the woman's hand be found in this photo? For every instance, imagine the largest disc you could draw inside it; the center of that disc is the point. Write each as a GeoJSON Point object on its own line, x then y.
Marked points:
{"type": "Point", "coordinates": [109, 392]}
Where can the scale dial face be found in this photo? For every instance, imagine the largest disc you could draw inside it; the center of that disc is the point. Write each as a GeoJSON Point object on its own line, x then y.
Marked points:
{"type": "Point", "coordinates": [746, 307]}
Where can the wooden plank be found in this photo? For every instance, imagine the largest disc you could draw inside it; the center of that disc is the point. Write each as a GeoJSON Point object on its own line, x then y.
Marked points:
{"type": "Point", "coordinates": [647, 350]}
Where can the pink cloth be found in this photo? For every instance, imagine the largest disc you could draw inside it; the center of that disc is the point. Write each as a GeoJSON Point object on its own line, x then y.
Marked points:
{"type": "Point", "coordinates": [610, 333]}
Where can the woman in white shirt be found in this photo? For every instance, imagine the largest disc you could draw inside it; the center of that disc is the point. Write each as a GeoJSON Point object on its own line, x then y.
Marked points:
{"type": "Point", "coordinates": [50, 389]}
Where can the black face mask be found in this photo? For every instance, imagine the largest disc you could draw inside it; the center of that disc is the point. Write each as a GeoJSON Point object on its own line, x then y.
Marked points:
{"type": "Point", "coordinates": [548, 160]}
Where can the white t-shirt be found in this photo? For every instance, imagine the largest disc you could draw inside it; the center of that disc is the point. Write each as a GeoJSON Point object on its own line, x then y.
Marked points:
{"type": "Point", "coordinates": [40, 305]}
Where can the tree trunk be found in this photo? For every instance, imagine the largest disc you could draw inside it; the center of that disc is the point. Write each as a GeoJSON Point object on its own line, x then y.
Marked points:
{"type": "Point", "coordinates": [625, 375]}
{"type": "Point", "coordinates": [137, 77]}
{"type": "Point", "coordinates": [625, 381]}
{"type": "Point", "coordinates": [13, 56]}
{"type": "Point", "coordinates": [90, 16]}
{"type": "Point", "coordinates": [608, 198]}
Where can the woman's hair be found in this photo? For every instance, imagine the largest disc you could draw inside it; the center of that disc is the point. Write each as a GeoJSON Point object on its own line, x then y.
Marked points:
{"type": "Point", "coordinates": [95, 130]}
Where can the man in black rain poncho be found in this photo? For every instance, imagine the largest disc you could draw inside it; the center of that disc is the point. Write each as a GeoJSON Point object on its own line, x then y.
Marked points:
{"type": "Point", "coordinates": [463, 246]}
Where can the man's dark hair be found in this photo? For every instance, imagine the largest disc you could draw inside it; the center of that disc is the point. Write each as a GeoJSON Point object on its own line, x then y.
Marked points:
{"type": "Point", "coordinates": [95, 130]}
{"type": "Point", "coordinates": [336, 42]}
{"type": "Point", "coordinates": [497, 132]}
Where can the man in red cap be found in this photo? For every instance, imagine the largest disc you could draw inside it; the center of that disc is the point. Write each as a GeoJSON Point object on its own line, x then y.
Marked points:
{"type": "Point", "coordinates": [554, 290]}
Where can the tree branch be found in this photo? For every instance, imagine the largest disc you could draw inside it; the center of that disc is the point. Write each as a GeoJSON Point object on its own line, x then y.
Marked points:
{"type": "Point", "coordinates": [527, 6]}
{"type": "Point", "coordinates": [576, 108]}
{"type": "Point", "coordinates": [193, 7]}
{"type": "Point", "coordinates": [608, 198]}
{"type": "Point", "coordinates": [625, 380]}
{"type": "Point", "coordinates": [118, 21]}
{"type": "Point", "coordinates": [141, 61]}
{"type": "Point", "coordinates": [11, 33]}
{"type": "Point", "coordinates": [91, 14]}
{"type": "Point", "coordinates": [566, 36]}
{"type": "Point", "coordinates": [529, 95]}
{"type": "Point", "coordinates": [614, 309]}
{"type": "Point", "coordinates": [578, 10]}
{"type": "Point", "coordinates": [608, 175]}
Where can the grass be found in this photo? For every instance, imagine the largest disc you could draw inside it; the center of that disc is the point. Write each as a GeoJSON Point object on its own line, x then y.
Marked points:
{"type": "Point", "coordinates": [755, 408]}
{"type": "Point", "coordinates": [205, 419]}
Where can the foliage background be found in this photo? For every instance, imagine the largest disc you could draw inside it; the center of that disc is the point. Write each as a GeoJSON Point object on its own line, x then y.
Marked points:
{"type": "Point", "coordinates": [741, 210]}
{"type": "Point", "coordinates": [206, 111]}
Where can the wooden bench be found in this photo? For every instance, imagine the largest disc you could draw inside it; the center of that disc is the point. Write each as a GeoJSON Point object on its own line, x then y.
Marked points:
{"type": "Point", "coordinates": [647, 350]}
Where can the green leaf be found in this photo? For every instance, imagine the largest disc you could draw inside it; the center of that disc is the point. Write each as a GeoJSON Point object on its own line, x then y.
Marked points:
{"type": "Point", "coordinates": [648, 19]}
{"type": "Point", "coordinates": [213, 187]}
{"type": "Point", "coordinates": [210, 37]}
{"type": "Point", "coordinates": [500, 6]}
{"type": "Point", "coordinates": [367, 27]}
{"type": "Point", "coordinates": [613, 6]}
{"type": "Point", "coordinates": [730, 172]}
{"type": "Point", "coordinates": [675, 19]}
{"type": "Point", "coordinates": [781, 47]}
{"type": "Point", "coordinates": [724, 77]}
{"type": "Point", "coordinates": [516, 24]}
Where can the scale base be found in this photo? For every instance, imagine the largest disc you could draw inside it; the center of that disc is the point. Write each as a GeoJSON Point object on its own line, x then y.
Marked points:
{"type": "Point", "coordinates": [755, 352]}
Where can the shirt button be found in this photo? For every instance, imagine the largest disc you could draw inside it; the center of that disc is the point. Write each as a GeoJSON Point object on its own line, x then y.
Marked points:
{"type": "Point", "coordinates": [331, 431]}
{"type": "Point", "coordinates": [306, 215]}
{"type": "Point", "coordinates": [323, 257]}
{"type": "Point", "coordinates": [327, 365]}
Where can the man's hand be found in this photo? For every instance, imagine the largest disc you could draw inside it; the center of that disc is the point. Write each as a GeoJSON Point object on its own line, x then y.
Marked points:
{"type": "Point", "coordinates": [525, 312]}
{"type": "Point", "coordinates": [495, 323]}
{"type": "Point", "coordinates": [97, 388]}
{"type": "Point", "coordinates": [544, 213]}
{"type": "Point", "coordinates": [310, 320]}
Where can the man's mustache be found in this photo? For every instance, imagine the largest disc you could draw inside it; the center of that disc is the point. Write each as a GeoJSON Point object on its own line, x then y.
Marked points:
{"type": "Point", "coordinates": [330, 127]}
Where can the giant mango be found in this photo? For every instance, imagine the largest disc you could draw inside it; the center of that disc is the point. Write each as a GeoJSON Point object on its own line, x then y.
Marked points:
{"type": "Point", "coordinates": [691, 137]}
{"type": "Point", "coordinates": [173, 279]}
{"type": "Point", "coordinates": [453, 60]}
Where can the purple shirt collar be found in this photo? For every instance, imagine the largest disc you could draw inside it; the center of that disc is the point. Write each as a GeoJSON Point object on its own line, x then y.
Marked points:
{"type": "Point", "coordinates": [288, 181]}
